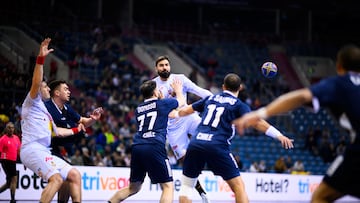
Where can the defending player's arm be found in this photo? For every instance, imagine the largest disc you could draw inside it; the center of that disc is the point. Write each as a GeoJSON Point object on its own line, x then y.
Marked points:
{"type": "Point", "coordinates": [64, 132]}
{"type": "Point", "coordinates": [193, 88]}
{"type": "Point", "coordinates": [271, 131]}
{"type": "Point", "coordinates": [282, 104]}
{"type": "Point", "coordinates": [177, 87]}
{"type": "Point", "coordinates": [95, 116]}
{"type": "Point", "coordinates": [39, 70]}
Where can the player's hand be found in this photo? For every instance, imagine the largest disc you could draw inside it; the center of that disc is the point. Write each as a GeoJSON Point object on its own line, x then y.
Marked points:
{"type": "Point", "coordinates": [96, 114]}
{"type": "Point", "coordinates": [44, 47]}
{"type": "Point", "coordinates": [81, 128]}
{"type": "Point", "coordinates": [286, 142]}
{"type": "Point", "coordinates": [176, 85]}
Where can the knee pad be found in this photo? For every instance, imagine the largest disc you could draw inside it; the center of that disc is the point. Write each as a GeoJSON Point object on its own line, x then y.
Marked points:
{"type": "Point", "coordinates": [187, 185]}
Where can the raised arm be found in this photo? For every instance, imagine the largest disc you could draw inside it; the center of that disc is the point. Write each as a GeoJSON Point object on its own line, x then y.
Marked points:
{"type": "Point", "coordinates": [38, 70]}
{"type": "Point", "coordinates": [178, 86]}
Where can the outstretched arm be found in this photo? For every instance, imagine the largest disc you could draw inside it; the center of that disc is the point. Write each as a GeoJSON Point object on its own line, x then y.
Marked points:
{"type": "Point", "coordinates": [64, 132]}
{"type": "Point", "coordinates": [282, 104]}
{"type": "Point", "coordinates": [38, 70]}
{"type": "Point", "coordinates": [271, 131]}
{"type": "Point", "coordinates": [95, 116]}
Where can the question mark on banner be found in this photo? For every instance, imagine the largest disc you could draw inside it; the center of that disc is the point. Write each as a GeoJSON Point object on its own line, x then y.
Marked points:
{"type": "Point", "coordinates": [286, 181]}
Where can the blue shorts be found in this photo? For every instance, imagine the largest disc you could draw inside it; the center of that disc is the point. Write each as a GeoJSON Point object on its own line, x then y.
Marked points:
{"type": "Point", "coordinates": [344, 173]}
{"type": "Point", "coordinates": [151, 159]}
{"type": "Point", "coordinates": [218, 159]}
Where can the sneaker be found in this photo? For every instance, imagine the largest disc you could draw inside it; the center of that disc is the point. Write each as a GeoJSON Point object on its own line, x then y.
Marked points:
{"type": "Point", "coordinates": [204, 198]}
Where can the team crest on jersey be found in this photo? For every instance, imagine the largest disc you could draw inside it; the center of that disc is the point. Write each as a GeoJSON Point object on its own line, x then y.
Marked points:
{"type": "Point", "coordinates": [48, 159]}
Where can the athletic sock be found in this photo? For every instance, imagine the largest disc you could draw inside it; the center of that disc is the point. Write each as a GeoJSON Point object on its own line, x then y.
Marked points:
{"type": "Point", "coordinates": [199, 188]}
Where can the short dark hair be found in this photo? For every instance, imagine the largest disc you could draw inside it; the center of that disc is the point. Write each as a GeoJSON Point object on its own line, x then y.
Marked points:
{"type": "Point", "coordinates": [53, 85]}
{"type": "Point", "coordinates": [147, 88]}
{"type": "Point", "coordinates": [232, 82]}
{"type": "Point", "coordinates": [349, 57]}
{"type": "Point", "coordinates": [161, 58]}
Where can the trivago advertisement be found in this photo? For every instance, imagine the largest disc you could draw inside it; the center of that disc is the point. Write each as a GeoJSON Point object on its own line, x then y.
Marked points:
{"type": "Point", "coordinates": [100, 183]}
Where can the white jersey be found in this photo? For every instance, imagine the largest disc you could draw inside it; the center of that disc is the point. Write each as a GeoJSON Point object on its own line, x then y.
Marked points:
{"type": "Point", "coordinates": [179, 128]}
{"type": "Point", "coordinates": [188, 87]}
{"type": "Point", "coordinates": [37, 127]}
{"type": "Point", "coordinates": [36, 122]}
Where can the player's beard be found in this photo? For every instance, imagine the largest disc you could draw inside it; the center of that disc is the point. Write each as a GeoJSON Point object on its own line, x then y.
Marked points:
{"type": "Point", "coordinates": [164, 74]}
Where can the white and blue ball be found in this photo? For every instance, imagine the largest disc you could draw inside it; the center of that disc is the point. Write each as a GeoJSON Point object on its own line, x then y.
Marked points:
{"type": "Point", "coordinates": [269, 69]}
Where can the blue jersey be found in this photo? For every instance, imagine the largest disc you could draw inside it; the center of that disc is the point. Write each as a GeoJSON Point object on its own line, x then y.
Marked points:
{"type": "Point", "coordinates": [68, 118]}
{"type": "Point", "coordinates": [152, 118]}
{"type": "Point", "coordinates": [218, 113]}
{"type": "Point", "coordinates": [341, 94]}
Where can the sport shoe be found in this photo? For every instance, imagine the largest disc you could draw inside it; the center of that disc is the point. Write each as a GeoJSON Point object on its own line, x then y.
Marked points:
{"type": "Point", "coordinates": [204, 198]}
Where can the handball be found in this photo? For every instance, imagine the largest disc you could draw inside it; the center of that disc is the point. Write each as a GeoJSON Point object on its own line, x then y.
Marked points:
{"type": "Point", "coordinates": [269, 69]}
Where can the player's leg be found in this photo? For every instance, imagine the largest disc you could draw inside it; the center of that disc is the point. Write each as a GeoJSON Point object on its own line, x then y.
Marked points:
{"type": "Point", "coordinates": [74, 181]}
{"type": "Point", "coordinates": [187, 186]}
{"type": "Point", "coordinates": [198, 186]}
{"type": "Point", "coordinates": [193, 122]}
{"type": "Point", "coordinates": [64, 192]}
{"type": "Point", "coordinates": [238, 187]}
{"type": "Point", "coordinates": [13, 187]}
{"type": "Point", "coordinates": [54, 184]}
{"type": "Point", "coordinates": [137, 174]}
{"type": "Point", "coordinates": [6, 168]}
{"type": "Point", "coordinates": [325, 193]}
{"type": "Point", "coordinates": [126, 192]}
{"type": "Point", "coordinates": [167, 194]}
{"type": "Point", "coordinates": [36, 158]}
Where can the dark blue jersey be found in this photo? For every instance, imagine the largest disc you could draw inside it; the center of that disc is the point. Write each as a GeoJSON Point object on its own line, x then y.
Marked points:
{"type": "Point", "coordinates": [152, 118]}
{"type": "Point", "coordinates": [218, 113]}
{"type": "Point", "coordinates": [341, 94]}
{"type": "Point", "coordinates": [67, 118]}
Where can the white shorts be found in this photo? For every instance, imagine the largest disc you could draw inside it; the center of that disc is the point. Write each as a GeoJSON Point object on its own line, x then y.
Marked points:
{"type": "Point", "coordinates": [39, 159]}
{"type": "Point", "coordinates": [178, 133]}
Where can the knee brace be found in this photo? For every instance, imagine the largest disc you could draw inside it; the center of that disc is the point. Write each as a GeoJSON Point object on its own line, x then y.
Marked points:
{"type": "Point", "coordinates": [187, 185]}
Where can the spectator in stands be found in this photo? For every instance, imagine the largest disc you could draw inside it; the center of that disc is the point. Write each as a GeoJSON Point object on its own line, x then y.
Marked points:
{"type": "Point", "coordinates": [77, 158]}
{"type": "Point", "coordinates": [289, 163]}
{"type": "Point", "coordinates": [341, 95]}
{"type": "Point", "coordinates": [298, 167]}
{"type": "Point", "coordinates": [262, 166]}
{"type": "Point", "coordinates": [280, 165]}
{"type": "Point", "coordinates": [254, 167]}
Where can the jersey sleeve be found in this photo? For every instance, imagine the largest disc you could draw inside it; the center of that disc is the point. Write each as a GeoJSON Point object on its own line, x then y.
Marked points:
{"type": "Point", "coordinates": [73, 113]}
{"type": "Point", "coordinates": [170, 103]}
{"type": "Point", "coordinates": [325, 91]}
{"type": "Point", "coordinates": [200, 104]}
{"type": "Point", "coordinates": [243, 108]}
{"type": "Point", "coordinates": [191, 87]}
